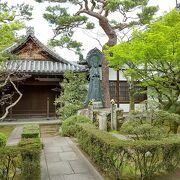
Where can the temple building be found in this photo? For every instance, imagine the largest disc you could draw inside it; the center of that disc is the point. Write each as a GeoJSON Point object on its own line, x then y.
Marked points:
{"type": "Point", "coordinates": [44, 70]}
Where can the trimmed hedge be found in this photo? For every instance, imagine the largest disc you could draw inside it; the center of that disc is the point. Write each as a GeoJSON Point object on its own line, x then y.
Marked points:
{"type": "Point", "coordinates": [130, 159]}
{"type": "Point", "coordinates": [22, 161]}
{"type": "Point", "coordinates": [30, 131]}
{"type": "Point", "coordinates": [69, 125]}
{"type": "Point", "coordinates": [3, 139]}
{"type": "Point", "coordinates": [31, 158]}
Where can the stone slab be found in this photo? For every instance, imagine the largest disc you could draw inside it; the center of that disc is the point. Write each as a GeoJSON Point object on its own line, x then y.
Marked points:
{"type": "Point", "coordinates": [68, 156]}
{"type": "Point", "coordinates": [57, 178]}
{"type": "Point", "coordinates": [79, 166]}
{"type": "Point", "coordinates": [66, 148]}
{"type": "Point", "coordinates": [59, 168]}
{"type": "Point", "coordinates": [44, 171]}
{"type": "Point", "coordinates": [52, 157]}
{"type": "Point", "coordinates": [53, 149]}
{"type": "Point", "coordinates": [79, 177]}
{"type": "Point", "coordinates": [64, 161]}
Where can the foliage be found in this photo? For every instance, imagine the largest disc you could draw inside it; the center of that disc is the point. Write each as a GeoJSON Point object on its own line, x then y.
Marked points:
{"type": "Point", "coordinates": [144, 158]}
{"type": "Point", "coordinates": [73, 95]}
{"type": "Point", "coordinates": [11, 20]}
{"type": "Point", "coordinates": [3, 139]}
{"type": "Point", "coordinates": [153, 58]}
{"type": "Point", "coordinates": [150, 124]}
{"type": "Point", "coordinates": [69, 125]}
{"type": "Point", "coordinates": [6, 130]}
{"type": "Point", "coordinates": [31, 158]}
{"type": "Point", "coordinates": [23, 160]}
{"type": "Point", "coordinates": [65, 23]}
{"type": "Point", "coordinates": [30, 131]}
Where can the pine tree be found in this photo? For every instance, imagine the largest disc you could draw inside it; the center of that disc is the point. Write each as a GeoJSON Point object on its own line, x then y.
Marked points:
{"type": "Point", "coordinates": [128, 13]}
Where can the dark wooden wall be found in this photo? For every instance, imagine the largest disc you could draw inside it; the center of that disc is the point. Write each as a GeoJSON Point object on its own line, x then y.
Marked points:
{"type": "Point", "coordinates": [35, 100]}
{"type": "Point", "coordinates": [124, 92]}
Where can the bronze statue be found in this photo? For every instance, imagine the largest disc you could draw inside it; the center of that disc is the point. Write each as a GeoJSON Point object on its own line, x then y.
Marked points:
{"type": "Point", "coordinates": [94, 58]}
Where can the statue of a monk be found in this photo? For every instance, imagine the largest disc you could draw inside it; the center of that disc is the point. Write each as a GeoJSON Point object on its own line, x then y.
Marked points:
{"type": "Point", "coordinates": [94, 61]}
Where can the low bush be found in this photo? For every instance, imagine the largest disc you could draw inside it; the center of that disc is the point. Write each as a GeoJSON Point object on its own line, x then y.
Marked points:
{"type": "Point", "coordinates": [150, 124]}
{"type": "Point", "coordinates": [22, 161]}
{"type": "Point", "coordinates": [73, 94]}
{"type": "Point", "coordinates": [3, 139]}
{"type": "Point", "coordinates": [30, 158]}
{"type": "Point", "coordinates": [69, 125]}
{"type": "Point", "coordinates": [137, 159]}
{"type": "Point", "coordinates": [30, 131]}
{"type": "Point", "coordinates": [10, 162]}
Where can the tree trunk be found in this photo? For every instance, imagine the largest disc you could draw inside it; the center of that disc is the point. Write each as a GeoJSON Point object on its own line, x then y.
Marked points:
{"type": "Point", "coordinates": [105, 82]}
{"type": "Point", "coordinates": [131, 94]}
{"type": "Point", "coordinates": [131, 100]}
{"type": "Point", "coordinates": [112, 40]}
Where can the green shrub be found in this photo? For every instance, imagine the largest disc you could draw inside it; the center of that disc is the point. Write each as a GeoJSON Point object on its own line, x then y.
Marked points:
{"type": "Point", "coordinates": [10, 162]}
{"type": "Point", "coordinates": [30, 142]}
{"type": "Point", "coordinates": [3, 139]}
{"type": "Point", "coordinates": [30, 131]}
{"type": "Point", "coordinates": [69, 125]}
{"type": "Point", "coordinates": [150, 124]}
{"type": "Point", "coordinates": [73, 94]}
{"type": "Point", "coordinates": [30, 158]}
{"type": "Point", "coordinates": [142, 158]}
{"type": "Point", "coordinates": [23, 160]}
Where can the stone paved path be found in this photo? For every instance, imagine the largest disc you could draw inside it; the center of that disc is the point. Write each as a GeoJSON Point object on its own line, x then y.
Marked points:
{"type": "Point", "coordinates": [15, 136]}
{"type": "Point", "coordinates": [37, 121]}
{"type": "Point", "coordinates": [62, 160]}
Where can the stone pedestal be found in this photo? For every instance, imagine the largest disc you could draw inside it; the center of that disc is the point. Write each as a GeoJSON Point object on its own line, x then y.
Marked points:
{"type": "Point", "coordinates": [102, 121]}
{"type": "Point", "coordinates": [113, 117]}
{"type": "Point", "coordinates": [119, 117]}
{"type": "Point", "coordinates": [97, 105]}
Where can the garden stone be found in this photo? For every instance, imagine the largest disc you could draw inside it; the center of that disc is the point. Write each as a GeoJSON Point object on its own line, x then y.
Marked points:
{"type": "Point", "coordinates": [102, 121]}
{"type": "Point", "coordinates": [113, 116]}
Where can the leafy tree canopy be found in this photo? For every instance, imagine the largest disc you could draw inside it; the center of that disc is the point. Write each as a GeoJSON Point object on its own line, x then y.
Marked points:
{"type": "Point", "coordinates": [153, 57]}
{"type": "Point", "coordinates": [11, 20]}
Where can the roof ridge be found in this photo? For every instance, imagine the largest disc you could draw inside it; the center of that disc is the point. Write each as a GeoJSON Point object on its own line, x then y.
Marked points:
{"type": "Point", "coordinates": [44, 47]}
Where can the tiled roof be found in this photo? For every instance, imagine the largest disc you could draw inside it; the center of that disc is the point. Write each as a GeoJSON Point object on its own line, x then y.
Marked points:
{"type": "Point", "coordinates": [41, 67]}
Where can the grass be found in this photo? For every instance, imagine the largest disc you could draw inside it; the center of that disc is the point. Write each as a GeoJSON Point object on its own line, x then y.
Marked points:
{"type": "Point", "coordinates": [6, 130]}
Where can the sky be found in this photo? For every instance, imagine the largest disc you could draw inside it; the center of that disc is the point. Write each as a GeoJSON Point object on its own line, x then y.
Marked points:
{"type": "Point", "coordinates": [44, 32]}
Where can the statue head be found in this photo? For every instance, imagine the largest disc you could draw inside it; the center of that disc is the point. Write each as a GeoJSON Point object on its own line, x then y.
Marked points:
{"type": "Point", "coordinates": [94, 58]}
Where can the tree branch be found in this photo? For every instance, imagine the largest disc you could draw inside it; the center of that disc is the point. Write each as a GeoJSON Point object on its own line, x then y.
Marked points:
{"type": "Point", "coordinates": [13, 104]}
{"type": "Point", "coordinates": [5, 82]}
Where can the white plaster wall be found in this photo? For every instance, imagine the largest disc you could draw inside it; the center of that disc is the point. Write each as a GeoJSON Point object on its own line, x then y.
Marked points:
{"type": "Point", "coordinates": [113, 75]}
{"type": "Point", "coordinates": [125, 107]}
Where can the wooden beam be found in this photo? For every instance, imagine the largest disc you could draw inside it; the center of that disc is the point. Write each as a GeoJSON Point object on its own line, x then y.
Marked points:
{"type": "Point", "coordinates": [117, 89]}
{"type": "Point", "coordinates": [47, 107]}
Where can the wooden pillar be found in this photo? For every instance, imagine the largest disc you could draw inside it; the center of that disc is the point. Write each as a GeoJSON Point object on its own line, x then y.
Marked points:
{"type": "Point", "coordinates": [117, 89]}
{"type": "Point", "coordinates": [11, 109]}
{"type": "Point", "coordinates": [47, 107]}
{"type": "Point", "coordinates": [55, 106]}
